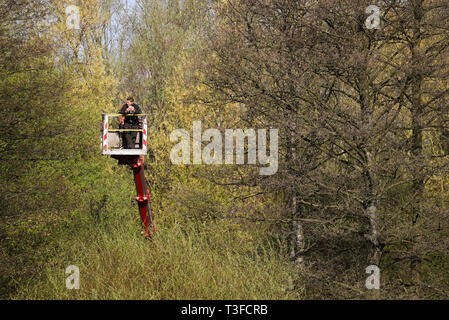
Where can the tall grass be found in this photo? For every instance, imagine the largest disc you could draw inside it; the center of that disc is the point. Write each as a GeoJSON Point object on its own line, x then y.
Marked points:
{"type": "Point", "coordinates": [184, 261]}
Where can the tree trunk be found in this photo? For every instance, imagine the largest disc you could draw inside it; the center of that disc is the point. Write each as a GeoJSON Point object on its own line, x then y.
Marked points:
{"type": "Point", "coordinates": [371, 212]}
{"type": "Point", "coordinates": [417, 109]}
{"type": "Point", "coordinates": [297, 234]}
{"type": "Point", "coordinates": [297, 237]}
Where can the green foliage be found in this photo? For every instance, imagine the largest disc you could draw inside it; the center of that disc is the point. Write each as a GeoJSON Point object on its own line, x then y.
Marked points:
{"type": "Point", "coordinates": [222, 231]}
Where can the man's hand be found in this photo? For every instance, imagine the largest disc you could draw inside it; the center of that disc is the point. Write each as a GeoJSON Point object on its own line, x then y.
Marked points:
{"type": "Point", "coordinates": [130, 109]}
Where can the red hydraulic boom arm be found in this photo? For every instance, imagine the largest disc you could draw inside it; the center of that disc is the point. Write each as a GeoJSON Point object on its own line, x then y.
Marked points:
{"type": "Point", "coordinates": [143, 193]}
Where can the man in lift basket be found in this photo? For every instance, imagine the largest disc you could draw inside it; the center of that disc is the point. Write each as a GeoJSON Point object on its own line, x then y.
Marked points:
{"type": "Point", "coordinates": [130, 122]}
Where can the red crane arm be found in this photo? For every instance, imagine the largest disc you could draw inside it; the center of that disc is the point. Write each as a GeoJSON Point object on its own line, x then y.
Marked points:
{"type": "Point", "coordinates": [143, 193]}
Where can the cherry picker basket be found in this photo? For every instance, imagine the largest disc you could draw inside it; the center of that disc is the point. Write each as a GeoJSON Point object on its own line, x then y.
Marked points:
{"type": "Point", "coordinates": [112, 135]}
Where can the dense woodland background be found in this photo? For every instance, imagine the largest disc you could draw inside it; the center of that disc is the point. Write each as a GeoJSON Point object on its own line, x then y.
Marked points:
{"type": "Point", "coordinates": [363, 164]}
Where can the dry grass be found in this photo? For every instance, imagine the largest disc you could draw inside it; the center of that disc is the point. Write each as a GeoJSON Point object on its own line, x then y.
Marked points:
{"type": "Point", "coordinates": [183, 262]}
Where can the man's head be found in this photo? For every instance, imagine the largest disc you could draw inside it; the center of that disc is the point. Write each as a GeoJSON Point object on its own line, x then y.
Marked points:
{"type": "Point", "coordinates": [129, 101]}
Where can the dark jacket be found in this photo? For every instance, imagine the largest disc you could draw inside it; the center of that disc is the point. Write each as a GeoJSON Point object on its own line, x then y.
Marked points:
{"type": "Point", "coordinates": [133, 121]}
